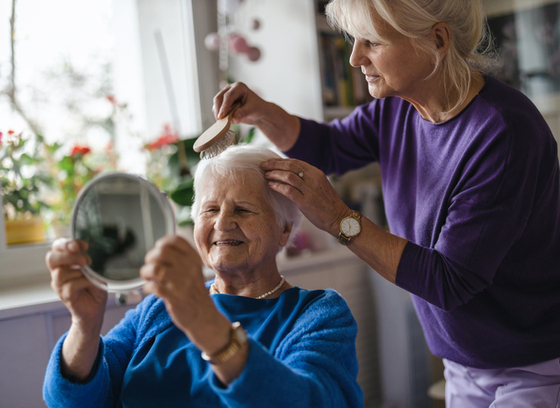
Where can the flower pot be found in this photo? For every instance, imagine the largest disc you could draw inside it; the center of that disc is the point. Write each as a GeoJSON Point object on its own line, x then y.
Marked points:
{"type": "Point", "coordinates": [25, 231]}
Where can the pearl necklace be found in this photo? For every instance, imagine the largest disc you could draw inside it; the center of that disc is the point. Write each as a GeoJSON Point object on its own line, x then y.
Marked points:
{"type": "Point", "coordinates": [214, 291]}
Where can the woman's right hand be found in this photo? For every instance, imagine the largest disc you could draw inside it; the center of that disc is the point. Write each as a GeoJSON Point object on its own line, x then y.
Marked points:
{"type": "Point", "coordinates": [278, 125]}
{"type": "Point", "coordinates": [84, 300]}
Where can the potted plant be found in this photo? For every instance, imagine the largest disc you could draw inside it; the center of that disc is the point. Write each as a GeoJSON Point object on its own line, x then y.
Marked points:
{"type": "Point", "coordinates": [70, 173]}
{"type": "Point", "coordinates": [22, 179]}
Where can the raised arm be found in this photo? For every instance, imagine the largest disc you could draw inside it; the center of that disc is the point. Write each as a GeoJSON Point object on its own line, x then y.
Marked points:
{"type": "Point", "coordinates": [278, 125]}
{"type": "Point", "coordinates": [85, 302]}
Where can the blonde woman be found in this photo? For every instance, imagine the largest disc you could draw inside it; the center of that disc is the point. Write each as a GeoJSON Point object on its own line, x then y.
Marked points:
{"type": "Point", "coordinates": [471, 187]}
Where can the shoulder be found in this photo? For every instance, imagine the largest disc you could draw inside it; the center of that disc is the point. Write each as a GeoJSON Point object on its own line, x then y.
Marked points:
{"type": "Point", "coordinates": [511, 108]}
{"type": "Point", "coordinates": [324, 307]}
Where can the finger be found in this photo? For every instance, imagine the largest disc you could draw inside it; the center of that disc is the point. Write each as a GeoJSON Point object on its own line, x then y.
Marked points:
{"type": "Point", "coordinates": [218, 101]}
{"type": "Point", "coordinates": [74, 286]}
{"type": "Point", "coordinates": [292, 165]}
{"type": "Point", "coordinates": [168, 249]}
{"type": "Point", "coordinates": [286, 178]}
{"type": "Point", "coordinates": [233, 93]}
{"type": "Point", "coordinates": [150, 288]}
{"type": "Point", "coordinates": [153, 271]}
{"type": "Point", "coordinates": [67, 244]}
{"type": "Point", "coordinates": [56, 259]}
{"type": "Point", "coordinates": [287, 190]}
{"type": "Point", "coordinates": [60, 276]}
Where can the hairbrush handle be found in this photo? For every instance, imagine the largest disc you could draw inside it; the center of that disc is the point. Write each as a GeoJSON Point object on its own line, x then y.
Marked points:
{"type": "Point", "coordinates": [216, 131]}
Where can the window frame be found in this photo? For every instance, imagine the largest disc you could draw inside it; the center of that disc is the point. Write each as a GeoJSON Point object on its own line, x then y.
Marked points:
{"type": "Point", "coordinates": [25, 264]}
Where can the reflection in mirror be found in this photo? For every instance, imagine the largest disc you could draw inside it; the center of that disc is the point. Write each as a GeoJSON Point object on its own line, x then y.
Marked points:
{"type": "Point", "coordinates": [120, 216]}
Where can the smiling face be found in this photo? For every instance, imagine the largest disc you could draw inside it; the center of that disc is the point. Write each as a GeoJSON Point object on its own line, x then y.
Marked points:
{"type": "Point", "coordinates": [392, 65]}
{"type": "Point", "coordinates": [236, 230]}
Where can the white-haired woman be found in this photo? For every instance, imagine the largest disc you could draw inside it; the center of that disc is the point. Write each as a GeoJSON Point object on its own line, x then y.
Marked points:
{"type": "Point", "coordinates": [247, 339]}
{"type": "Point", "coordinates": [471, 187]}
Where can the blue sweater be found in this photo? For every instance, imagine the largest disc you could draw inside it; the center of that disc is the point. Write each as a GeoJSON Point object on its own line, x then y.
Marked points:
{"type": "Point", "coordinates": [478, 198]}
{"type": "Point", "coordinates": [301, 354]}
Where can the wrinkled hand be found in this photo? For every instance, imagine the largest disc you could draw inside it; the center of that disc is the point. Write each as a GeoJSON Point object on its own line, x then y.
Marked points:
{"type": "Point", "coordinates": [310, 190]}
{"type": "Point", "coordinates": [251, 110]}
{"type": "Point", "coordinates": [84, 300]}
{"type": "Point", "coordinates": [173, 271]}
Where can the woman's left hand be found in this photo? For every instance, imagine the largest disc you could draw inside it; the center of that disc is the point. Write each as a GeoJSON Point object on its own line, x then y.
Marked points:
{"type": "Point", "coordinates": [310, 190]}
{"type": "Point", "coordinates": [173, 272]}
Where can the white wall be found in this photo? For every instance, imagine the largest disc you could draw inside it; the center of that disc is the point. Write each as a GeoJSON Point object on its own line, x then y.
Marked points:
{"type": "Point", "coordinates": [288, 71]}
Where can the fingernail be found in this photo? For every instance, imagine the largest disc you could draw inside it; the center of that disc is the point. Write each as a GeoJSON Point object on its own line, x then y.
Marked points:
{"type": "Point", "coordinates": [72, 246]}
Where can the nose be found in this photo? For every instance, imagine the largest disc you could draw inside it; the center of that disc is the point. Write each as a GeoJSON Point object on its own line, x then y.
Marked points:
{"type": "Point", "coordinates": [225, 221]}
{"type": "Point", "coordinates": [357, 58]}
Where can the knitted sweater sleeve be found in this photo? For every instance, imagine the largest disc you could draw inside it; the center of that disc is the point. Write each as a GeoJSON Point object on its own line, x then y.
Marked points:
{"type": "Point", "coordinates": [314, 365]}
{"type": "Point", "coordinates": [102, 388]}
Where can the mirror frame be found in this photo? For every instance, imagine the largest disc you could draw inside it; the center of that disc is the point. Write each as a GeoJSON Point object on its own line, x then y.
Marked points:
{"type": "Point", "coordinates": [112, 285]}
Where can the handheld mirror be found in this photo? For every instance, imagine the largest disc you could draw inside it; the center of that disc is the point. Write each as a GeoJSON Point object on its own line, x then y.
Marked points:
{"type": "Point", "coordinates": [120, 216]}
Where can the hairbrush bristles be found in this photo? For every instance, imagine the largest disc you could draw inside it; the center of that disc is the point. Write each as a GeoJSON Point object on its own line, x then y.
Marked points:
{"type": "Point", "coordinates": [222, 144]}
{"type": "Point", "coordinates": [217, 137]}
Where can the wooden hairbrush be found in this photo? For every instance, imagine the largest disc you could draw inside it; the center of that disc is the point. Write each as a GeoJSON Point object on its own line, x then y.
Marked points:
{"type": "Point", "coordinates": [217, 137]}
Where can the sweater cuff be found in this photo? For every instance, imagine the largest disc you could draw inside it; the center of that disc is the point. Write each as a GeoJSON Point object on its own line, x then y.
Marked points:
{"type": "Point", "coordinates": [242, 389]}
{"type": "Point", "coordinates": [408, 276]}
{"type": "Point", "coordinates": [59, 390]}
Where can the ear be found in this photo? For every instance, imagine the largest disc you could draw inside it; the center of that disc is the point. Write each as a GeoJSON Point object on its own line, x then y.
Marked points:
{"type": "Point", "coordinates": [285, 234]}
{"type": "Point", "coordinates": [441, 35]}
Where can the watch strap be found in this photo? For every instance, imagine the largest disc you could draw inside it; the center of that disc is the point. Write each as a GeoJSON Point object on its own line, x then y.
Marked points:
{"type": "Point", "coordinates": [230, 349]}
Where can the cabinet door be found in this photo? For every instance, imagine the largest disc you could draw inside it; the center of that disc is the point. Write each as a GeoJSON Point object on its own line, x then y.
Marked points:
{"type": "Point", "coordinates": [24, 355]}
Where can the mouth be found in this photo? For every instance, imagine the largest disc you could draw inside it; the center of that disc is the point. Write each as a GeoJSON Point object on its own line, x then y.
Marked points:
{"type": "Point", "coordinates": [227, 242]}
{"type": "Point", "coordinates": [371, 78]}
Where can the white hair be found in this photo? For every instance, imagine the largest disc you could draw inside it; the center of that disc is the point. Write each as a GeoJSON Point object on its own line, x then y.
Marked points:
{"type": "Point", "coordinates": [242, 161]}
{"type": "Point", "coordinates": [470, 45]}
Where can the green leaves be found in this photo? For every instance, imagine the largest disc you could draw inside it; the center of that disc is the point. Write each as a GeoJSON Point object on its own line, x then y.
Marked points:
{"type": "Point", "coordinates": [22, 177]}
{"type": "Point", "coordinates": [183, 194]}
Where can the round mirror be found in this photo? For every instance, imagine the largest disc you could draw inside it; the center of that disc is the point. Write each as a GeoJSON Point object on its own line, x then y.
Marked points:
{"type": "Point", "coordinates": [120, 216]}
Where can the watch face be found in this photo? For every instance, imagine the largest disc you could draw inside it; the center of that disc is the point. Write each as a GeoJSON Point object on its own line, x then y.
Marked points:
{"type": "Point", "coordinates": [350, 227]}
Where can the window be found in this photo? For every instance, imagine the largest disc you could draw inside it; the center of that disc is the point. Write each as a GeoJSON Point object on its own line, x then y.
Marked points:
{"type": "Point", "coordinates": [103, 73]}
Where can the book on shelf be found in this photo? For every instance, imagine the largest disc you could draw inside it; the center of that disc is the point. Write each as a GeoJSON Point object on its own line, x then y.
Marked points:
{"type": "Point", "coordinates": [343, 85]}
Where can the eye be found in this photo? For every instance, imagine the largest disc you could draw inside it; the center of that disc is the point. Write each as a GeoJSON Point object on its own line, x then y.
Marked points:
{"type": "Point", "coordinates": [370, 44]}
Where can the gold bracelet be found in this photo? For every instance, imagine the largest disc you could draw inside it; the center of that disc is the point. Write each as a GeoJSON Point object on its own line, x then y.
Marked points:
{"type": "Point", "coordinates": [237, 339]}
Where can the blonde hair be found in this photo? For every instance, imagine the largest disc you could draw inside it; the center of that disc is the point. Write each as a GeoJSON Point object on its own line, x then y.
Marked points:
{"type": "Point", "coordinates": [470, 44]}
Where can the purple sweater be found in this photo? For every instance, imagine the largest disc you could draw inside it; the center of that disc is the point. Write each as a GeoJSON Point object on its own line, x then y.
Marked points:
{"type": "Point", "coordinates": [478, 198]}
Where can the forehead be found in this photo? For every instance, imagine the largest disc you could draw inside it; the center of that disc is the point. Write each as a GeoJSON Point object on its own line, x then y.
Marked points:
{"type": "Point", "coordinates": [363, 21]}
{"type": "Point", "coordinates": [245, 185]}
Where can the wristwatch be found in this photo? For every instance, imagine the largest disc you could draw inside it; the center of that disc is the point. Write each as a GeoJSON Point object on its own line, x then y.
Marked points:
{"type": "Point", "coordinates": [237, 339]}
{"type": "Point", "coordinates": [350, 227]}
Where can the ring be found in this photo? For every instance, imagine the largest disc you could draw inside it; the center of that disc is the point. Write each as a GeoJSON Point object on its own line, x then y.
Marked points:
{"type": "Point", "coordinates": [300, 174]}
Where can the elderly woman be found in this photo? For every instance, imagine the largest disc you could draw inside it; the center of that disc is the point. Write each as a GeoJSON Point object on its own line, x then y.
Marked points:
{"type": "Point", "coordinates": [471, 187]}
{"type": "Point", "coordinates": [248, 339]}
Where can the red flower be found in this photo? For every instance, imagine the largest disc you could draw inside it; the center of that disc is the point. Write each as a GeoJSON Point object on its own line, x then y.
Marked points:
{"type": "Point", "coordinates": [168, 136]}
{"type": "Point", "coordinates": [79, 150]}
